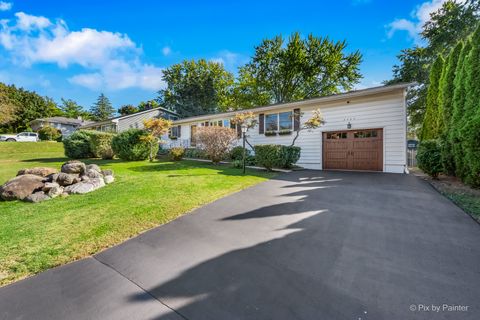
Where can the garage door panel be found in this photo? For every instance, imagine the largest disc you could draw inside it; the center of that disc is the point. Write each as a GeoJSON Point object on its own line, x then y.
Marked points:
{"type": "Point", "coordinates": [353, 150]}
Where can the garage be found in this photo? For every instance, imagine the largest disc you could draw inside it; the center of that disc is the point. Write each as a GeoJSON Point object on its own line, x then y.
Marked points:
{"type": "Point", "coordinates": [353, 150]}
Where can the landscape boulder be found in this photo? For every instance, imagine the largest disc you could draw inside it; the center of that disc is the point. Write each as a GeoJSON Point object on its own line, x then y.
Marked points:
{"type": "Point", "coordinates": [38, 171]}
{"type": "Point", "coordinates": [66, 179]}
{"type": "Point", "coordinates": [20, 187]}
{"type": "Point", "coordinates": [85, 186]}
{"type": "Point", "coordinates": [95, 167]}
{"type": "Point", "coordinates": [92, 173]}
{"type": "Point", "coordinates": [108, 179]}
{"type": "Point", "coordinates": [37, 197]}
{"type": "Point", "coordinates": [107, 172]}
{"type": "Point", "coordinates": [49, 185]}
{"type": "Point", "coordinates": [73, 166]}
{"type": "Point", "coordinates": [55, 192]}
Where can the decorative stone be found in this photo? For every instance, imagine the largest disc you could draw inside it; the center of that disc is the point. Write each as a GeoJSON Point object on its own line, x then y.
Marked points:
{"type": "Point", "coordinates": [108, 179]}
{"type": "Point", "coordinates": [37, 197]}
{"type": "Point", "coordinates": [65, 179]}
{"type": "Point", "coordinates": [55, 192]}
{"type": "Point", "coordinates": [20, 187]}
{"type": "Point", "coordinates": [49, 185]}
{"type": "Point", "coordinates": [85, 186]}
{"type": "Point", "coordinates": [107, 172]}
{"type": "Point", "coordinates": [91, 173]}
{"type": "Point", "coordinates": [64, 195]}
{"type": "Point", "coordinates": [95, 167]}
{"type": "Point", "coordinates": [38, 171]}
{"type": "Point", "coordinates": [85, 178]}
{"type": "Point", "coordinates": [73, 166]}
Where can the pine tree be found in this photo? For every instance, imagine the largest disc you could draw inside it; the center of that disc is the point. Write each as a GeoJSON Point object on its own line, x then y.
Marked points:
{"type": "Point", "coordinates": [446, 107]}
{"type": "Point", "coordinates": [455, 136]}
{"type": "Point", "coordinates": [470, 131]}
{"type": "Point", "coordinates": [430, 121]}
{"type": "Point", "coordinates": [102, 109]}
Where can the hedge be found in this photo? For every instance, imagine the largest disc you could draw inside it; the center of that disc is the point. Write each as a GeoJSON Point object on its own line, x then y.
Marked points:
{"type": "Point", "coordinates": [276, 156]}
{"type": "Point", "coordinates": [131, 145]}
{"type": "Point", "coordinates": [77, 145]}
{"type": "Point", "coordinates": [429, 157]}
{"type": "Point", "coordinates": [48, 133]}
{"type": "Point", "coordinates": [101, 144]}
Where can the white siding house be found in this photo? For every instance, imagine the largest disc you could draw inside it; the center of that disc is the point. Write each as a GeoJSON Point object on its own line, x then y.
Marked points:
{"type": "Point", "coordinates": [363, 130]}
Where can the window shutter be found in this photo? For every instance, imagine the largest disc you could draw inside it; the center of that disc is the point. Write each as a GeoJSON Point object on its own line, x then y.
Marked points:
{"type": "Point", "coordinates": [206, 124]}
{"type": "Point", "coordinates": [239, 131]}
{"type": "Point", "coordinates": [261, 123]}
{"type": "Point", "coordinates": [296, 119]}
{"type": "Point", "coordinates": [179, 134]}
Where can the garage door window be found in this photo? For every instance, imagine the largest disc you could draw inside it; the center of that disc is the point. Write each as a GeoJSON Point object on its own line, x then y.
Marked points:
{"type": "Point", "coordinates": [336, 135]}
{"type": "Point", "coordinates": [365, 134]}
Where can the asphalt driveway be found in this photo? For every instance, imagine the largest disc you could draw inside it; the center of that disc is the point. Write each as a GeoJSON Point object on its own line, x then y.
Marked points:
{"type": "Point", "coordinates": [306, 245]}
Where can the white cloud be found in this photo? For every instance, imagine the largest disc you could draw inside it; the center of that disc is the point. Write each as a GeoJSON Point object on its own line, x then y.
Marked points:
{"type": "Point", "coordinates": [112, 60]}
{"type": "Point", "coordinates": [166, 51]}
{"type": "Point", "coordinates": [230, 60]}
{"type": "Point", "coordinates": [419, 16]}
{"type": "Point", "coordinates": [5, 6]}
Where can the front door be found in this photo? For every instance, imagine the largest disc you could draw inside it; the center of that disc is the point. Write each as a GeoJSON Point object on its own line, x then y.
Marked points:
{"type": "Point", "coordinates": [353, 150]}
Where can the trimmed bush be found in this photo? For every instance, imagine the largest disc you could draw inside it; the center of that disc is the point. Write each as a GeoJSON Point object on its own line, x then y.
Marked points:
{"type": "Point", "coordinates": [176, 153]}
{"type": "Point", "coordinates": [77, 145]}
{"type": "Point", "coordinates": [132, 145]}
{"type": "Point", "coordinates": [48, 133]}
{"type": "Point", "coordinates": [237, 153]}
{"type": "Point", "coordinates": [101, 144]}
{"type": "Point", "coordinates": [276, 156]}
{"type": "Point", "coordinates": [429, 158]}
{"type": "Point", "coordinates": [195, 153]}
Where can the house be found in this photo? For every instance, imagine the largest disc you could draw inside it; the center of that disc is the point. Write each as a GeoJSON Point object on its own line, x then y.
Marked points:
{"type": "Point", "coordinates": [134, 120]}
{"type": "Point", "coordinates": [66, 125]}
{"type": "Point", "coordinates": [364, 129]}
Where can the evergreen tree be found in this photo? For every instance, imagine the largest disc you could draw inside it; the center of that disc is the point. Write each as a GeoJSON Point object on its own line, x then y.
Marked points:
{"type": "Point", "coordinates": [430, 122]}
{"type": "Point", "coordinates": [446, 107]}
{"type": "Point", "coordinates": [102, 109]}
{"type": "Point", "coordinates": [71, 109]}
{"type": "Point", "coordinates": [455, 136]}
{"type": "Point", "coordinates": [470, 131]}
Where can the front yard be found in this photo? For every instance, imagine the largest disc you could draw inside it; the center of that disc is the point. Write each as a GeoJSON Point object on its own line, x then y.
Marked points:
{"type": "Point", "coordinates": [35, 237]}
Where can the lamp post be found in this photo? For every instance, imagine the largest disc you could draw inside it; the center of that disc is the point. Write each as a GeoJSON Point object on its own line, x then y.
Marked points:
{"type": "Point", "coordinates": [244, 132]}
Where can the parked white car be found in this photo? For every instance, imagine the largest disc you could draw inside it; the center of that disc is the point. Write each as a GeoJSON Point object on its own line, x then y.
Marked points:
{"type": "Point", "coordinates": [21, 137]}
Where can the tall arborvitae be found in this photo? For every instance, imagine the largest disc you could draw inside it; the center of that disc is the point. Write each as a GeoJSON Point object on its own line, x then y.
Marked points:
{"type": "Point", "coordinates": [470, 131]}
{"type": "Point", "coordinates": [459, 92]}
{"type": "Point", "coordinates": [430, 121]}
{"type": "Point", "coordinates": [446, 107]}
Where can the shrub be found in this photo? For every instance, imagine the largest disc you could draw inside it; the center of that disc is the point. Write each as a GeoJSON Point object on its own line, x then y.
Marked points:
{"type": "Point", "coordinates": [237, 164]}
{"type": "Point", "coordinates": [132, 145]}
{"type": "Point", "coordinates": [48, 133]}
{"type": "Point", "coordinates": [216, 141]}
{"type": "Point", "coordinates": [429, 157]}
{"type": "Point", "coordinates": [101, 144]}
{"type": "Point", "coordinates": [176, 153]}
{"type": "Point", "coordinates": [195, 153]}
{"type": "Point", "coordinates": [276, 156]}
{"type": "Point", "coordinates": [77, 145]}
{"type": "Point", "coordinates": [237, 153]}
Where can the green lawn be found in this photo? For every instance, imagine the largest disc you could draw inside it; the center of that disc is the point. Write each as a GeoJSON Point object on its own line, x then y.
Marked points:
{"type": "Point", "coordinates": [35, 237]}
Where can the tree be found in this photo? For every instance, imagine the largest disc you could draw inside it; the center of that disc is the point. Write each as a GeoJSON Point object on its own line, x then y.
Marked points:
{"type": "Point", "coordinates": [150, 104]}
{"type": "Point", "coordinates": [215, 141]}
{"type": "Point", "coordinates": [456, 122]}
{"type": "Point", "coordinates": [156, 128]}
{"type": "Point", "coordinates": [102, 109]}
{"type": "Point", "coordinates": [196, 88]}
{"type": "Point", "coordinates": [127, 109]}
{"type": "Point", "coordinates": [314, 122]}
{"type": "Point", "coordinates": [283, 71]}
{"type": "Point", "coordinates": [430, 121]}
{"type": "Point", "coordinates": [447, 88]}
{"type": "Point", "coordinates": [448, 25]}
{"type": "Point", "coordinates": [71, 109]}
{"type": "Point", "coordinates": [7, 106]}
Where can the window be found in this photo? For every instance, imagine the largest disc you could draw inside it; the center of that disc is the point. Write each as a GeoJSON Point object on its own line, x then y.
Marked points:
{"type": "Point", "coordinates": [365, 134]}
{"type": "Point", "coordinates": [271, 122]}
{"type": "Point", "coordinates": [226, 123]}
{"type": "Point", "coordinates": [174, 131]}
{"type": "Point", "coordinates": [336, 135]}
{"type": "Point", "coordinates": [285, 120]}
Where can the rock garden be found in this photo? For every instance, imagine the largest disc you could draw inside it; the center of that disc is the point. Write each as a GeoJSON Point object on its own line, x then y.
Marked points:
{"type": "Point", "coordinates": [44, 183]}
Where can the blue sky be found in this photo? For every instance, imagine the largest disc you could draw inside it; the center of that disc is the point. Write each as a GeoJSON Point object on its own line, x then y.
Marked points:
{"type": "Point", "coordinates": [77, 49]}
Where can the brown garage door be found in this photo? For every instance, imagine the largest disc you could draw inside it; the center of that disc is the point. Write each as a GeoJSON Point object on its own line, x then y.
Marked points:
{"type": "Point", "coordinates": [353, 150]}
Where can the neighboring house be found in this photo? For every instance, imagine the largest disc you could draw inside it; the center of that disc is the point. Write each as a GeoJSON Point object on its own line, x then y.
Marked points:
{"type": "Point", "coordinates": [363, 130]}
{"type": "Point", "coordinates": [66, 125]}
{"type": "Point", "coordinates": [134, 120]}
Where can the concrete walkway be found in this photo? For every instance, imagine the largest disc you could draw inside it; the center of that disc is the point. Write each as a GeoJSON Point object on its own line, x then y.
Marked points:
{"type": "Point", "coordinates": [306, 245]}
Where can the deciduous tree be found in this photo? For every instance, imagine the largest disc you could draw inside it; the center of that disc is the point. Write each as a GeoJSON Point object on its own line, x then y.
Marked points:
{"type": "Point", "coordinates": [127, 109]}
{"type": "Point", "coordinates": [156, 128]}
{"type": "Point", "coordinates": [215, 141]}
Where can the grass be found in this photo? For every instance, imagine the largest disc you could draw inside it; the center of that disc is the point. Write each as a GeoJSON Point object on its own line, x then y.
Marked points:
{"type": "Point", "coordinates": [35, 237]}
{"type": "Point", "coordinates": [468, 202]}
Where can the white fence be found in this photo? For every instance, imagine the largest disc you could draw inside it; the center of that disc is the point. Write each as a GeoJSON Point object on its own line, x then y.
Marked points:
{"type": "Point", "coordinates": [412, 157]}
